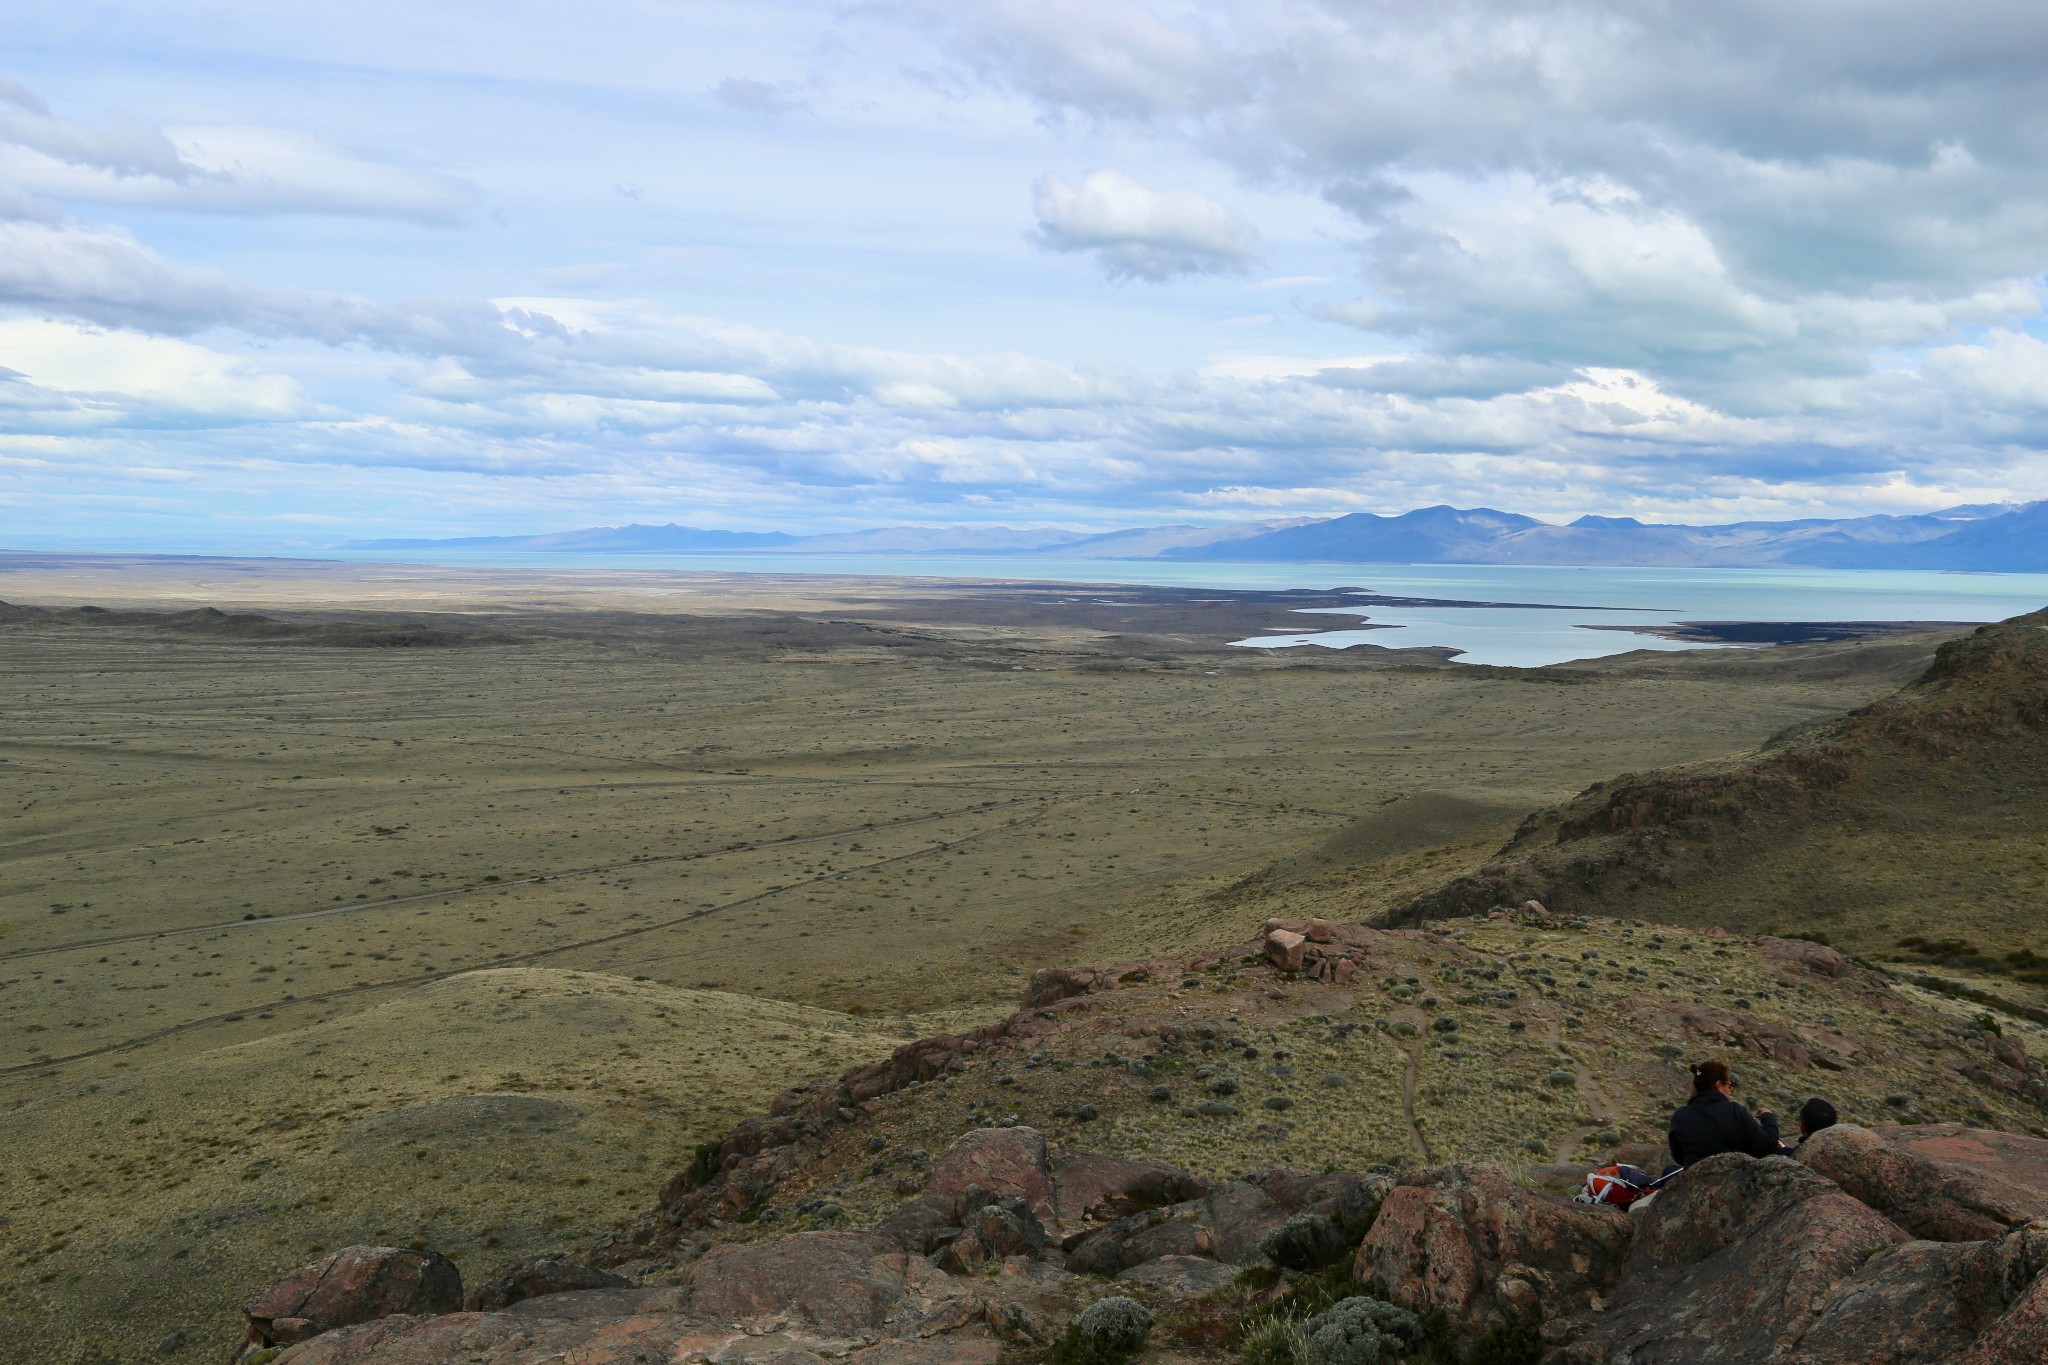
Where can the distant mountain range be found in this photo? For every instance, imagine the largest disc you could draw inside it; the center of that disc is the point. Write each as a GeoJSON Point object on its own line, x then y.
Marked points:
{"type": "Point", "coordinates": [1995, 538]}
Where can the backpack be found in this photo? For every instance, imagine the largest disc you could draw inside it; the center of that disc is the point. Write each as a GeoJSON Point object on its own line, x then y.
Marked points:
{"type": "Point", "coordinates": [1617, 1186]}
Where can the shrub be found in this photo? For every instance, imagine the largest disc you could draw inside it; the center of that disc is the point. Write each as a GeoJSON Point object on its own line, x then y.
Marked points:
{"type": "Point", "coordinates": [1276, 1340]}
{"type": "Point", "coordinates": [1307, 1241]}
{"type": "Point", "coordinates": [1108, 1330]}
{"type": "Point", "coordinates": [1360, 1331]}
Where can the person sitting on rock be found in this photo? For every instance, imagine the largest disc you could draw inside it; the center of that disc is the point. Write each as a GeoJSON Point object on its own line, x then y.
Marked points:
{"type": "Point", "coordinates": [1711, 1122]}
{"type": "Point", "coordinates": [1814, 1115]}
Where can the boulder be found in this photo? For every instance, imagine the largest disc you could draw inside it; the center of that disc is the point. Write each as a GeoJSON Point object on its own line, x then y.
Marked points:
{"type": "Point", "coordinates": [842, 1282]}
{"type": "Point", "coordinates": [537, 1276]}
{"type": "Point", "coordinates": [1347, 1198]}
{"type": "Point", "coordinates": [1007, 1228]}
{"type": "Point", "coordinates": [1087, 1186]}
{"type": "Point", "coordinates": [2020, 1336]}
{"type": "Point", "coordinates": [1239, 1215]}
{"type": "Point", "coordinates": [1188, 1276]}
{"type": "Point", "coordinates": [1142, 1237]}
{"type": "Point", "coordinates": [1941, 1181]}
{"type": "Point", "coordinates": [1285, 949]}
{"type": "Point", "coordinates": [1925, 1302]}
{"type": "Point", "coordinates": [1228, 1224]}
{"type": "Point", "coordinates": [1468, 1240]}
{"type": "Point", "coordinates": [1734, 1262]}
{"type": "Point", "coordinates": [1801, 954]}
{"type": "Point", "coordinates": [355, 1284]}
{"type": "Point", "coordinates": [1002, 1161]}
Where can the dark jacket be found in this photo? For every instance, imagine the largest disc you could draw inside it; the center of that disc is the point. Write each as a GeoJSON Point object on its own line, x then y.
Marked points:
{"type": "Point", "coordinates": [1711, 1123]}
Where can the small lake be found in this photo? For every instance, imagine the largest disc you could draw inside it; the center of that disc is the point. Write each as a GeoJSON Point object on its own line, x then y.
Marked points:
{"type": "Point", "coordinates": [1524, 636]}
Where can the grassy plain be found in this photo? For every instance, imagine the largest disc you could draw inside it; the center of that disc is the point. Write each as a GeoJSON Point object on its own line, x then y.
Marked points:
{"type": "Point", "coordinates": [456, 907]}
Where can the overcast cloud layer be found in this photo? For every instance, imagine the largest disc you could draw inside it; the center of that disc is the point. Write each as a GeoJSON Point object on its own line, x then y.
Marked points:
{"type": "Point", "coordinates": [294, 274]}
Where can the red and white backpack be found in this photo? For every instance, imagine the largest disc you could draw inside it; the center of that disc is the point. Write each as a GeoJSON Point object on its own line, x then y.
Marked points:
{"type": "Point", "coordinates": [1619, 1186]}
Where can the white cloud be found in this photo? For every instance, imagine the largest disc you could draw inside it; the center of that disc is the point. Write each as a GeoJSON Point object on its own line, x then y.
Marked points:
{"type": "Point", "coordinates": [211, 169]}
{"type": "Point", "coordinates": [1138, 233]}
{"type": "Point", "coordinates": [1740, 196]}
{"type": "Point", "coordinates": [88, 377]}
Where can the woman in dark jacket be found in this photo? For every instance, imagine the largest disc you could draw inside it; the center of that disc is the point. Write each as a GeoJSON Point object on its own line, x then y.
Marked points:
{"type": "Point", "coordinates": [1711, 1122]}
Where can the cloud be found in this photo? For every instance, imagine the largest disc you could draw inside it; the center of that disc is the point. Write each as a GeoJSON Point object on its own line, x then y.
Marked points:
{"type": "Point", "coordinates": [1740, 197]}
{"type": "Point", "coordinates": [104, 276]}
{"type": "Point", "coordinates": [63, 377]}
{"type": "Point", "coordinates": [773, 98]}
{"type": "Point", "coordinates": [236, 169]}
{"type": "Point", "coordinates": [1101, 58]}
{"type": "Point", "coordinates": [1138, 233]}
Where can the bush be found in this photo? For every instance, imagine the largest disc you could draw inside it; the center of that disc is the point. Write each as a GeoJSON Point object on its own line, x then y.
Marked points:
{"type": "Point", "coordinates": [1275, 1341]}
{"type": "Point", "coordinates": [1307, 1241]}
{"type": "Point", "coordinates": [1108, 1331]}
{"type": "Point", "coordinates": [1360, 1331]}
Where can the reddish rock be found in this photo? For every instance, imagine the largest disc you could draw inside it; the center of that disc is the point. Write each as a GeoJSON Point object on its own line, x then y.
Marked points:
{"type": "Point", "coordinates": [956, 1349]}
{"type": "Point", "coordinates": [837, 1281]}
{"type": "Point", "coordinates": [1050, 985]}
{"type": "Point", "coordinates": [1285, 948]}
{"type": "Point", "coordinates": [1471, 1242]}
{"type": "Point", "coordinates": [1321, 930]}
{"type": "Point", "coordinates": [1734, 1262]}
{"type": "Point", "coordinates": [2020, 1336]}
{"type": "Point", "coordinates": [1800, 953]}
{"type": "Point", "coordinates": [1102, 1188]}
{"type": "Point", "coordinates": [533, 1278]}
{"type": "Point", "coordinates": [2012, 1053]}
{"type": "Point", "coordinates": [1925, 1302]}
{"type": "Point", "coordinates": [1006, 1162]}
{"type": "Point", "coordinates": [355, 1284]}
{"type": "Point", "coordinates": [1941, 1181]}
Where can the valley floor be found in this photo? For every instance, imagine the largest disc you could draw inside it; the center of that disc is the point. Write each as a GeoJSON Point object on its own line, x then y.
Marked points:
{"type": "Point", "coordinates": [458, 908]}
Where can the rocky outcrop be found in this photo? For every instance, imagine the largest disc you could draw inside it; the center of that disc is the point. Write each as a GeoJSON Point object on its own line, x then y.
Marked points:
{"type": "Point", "coordinates": [540, 1275]}
{"type": "Point", "coordinates": [837, 1282]}
{"type": "Point", "coordinates": [1941, 1181]}
{"type": "Point", "coordinates": [1469, 1241]}
{"type": "Point", "coordinates": [1002, 1162]}
{"type": "Point", "coordinates": [1802, 955]}
{"type": "Point", "coordinates": [1734, 1261]}
{"type": "Point", "coordinates": [355, 1284]}
{"type": "Point", "coordinates": [1925, 1301]}
{"type": "Point", "coordinates": [1092, 1188]}
{"type": "Point", "coordinates": [1321, 948]}
{"type": "Point", "coordinates": [1737, 1260]}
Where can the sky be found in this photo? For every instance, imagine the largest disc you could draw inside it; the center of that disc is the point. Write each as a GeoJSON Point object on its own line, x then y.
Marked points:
{"type": "Point", "coordinates": [281, 276]}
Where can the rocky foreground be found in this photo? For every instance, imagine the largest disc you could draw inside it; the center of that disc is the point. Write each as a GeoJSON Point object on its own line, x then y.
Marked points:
{"type": "Point", "coordinates": [1892, 1244]}
{"type": "Point", "coordinates": [844, 1226]}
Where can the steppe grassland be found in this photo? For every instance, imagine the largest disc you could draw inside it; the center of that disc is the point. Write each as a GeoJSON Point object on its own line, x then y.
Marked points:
{"type": "Point", "coordinates": [247, 891]}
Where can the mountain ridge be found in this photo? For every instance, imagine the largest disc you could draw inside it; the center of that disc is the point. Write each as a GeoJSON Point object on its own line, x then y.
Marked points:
{"type": "Point", "coordinates": [1981, 538]}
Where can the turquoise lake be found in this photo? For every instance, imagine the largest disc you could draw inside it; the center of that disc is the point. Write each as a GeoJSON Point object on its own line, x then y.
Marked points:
{"type": "Point", "coordinates": [1523, 636]}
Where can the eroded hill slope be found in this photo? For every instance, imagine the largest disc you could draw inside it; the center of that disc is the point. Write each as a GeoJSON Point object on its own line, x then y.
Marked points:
{"type": "Point", "coordinates": [1914, 828]}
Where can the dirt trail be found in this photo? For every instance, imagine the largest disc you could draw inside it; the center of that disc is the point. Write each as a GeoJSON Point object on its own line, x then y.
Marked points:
{"type": "Point", "coordinates": [1409, 1080]}
{"type": "Point", "coordinates": [1606, 1113]}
